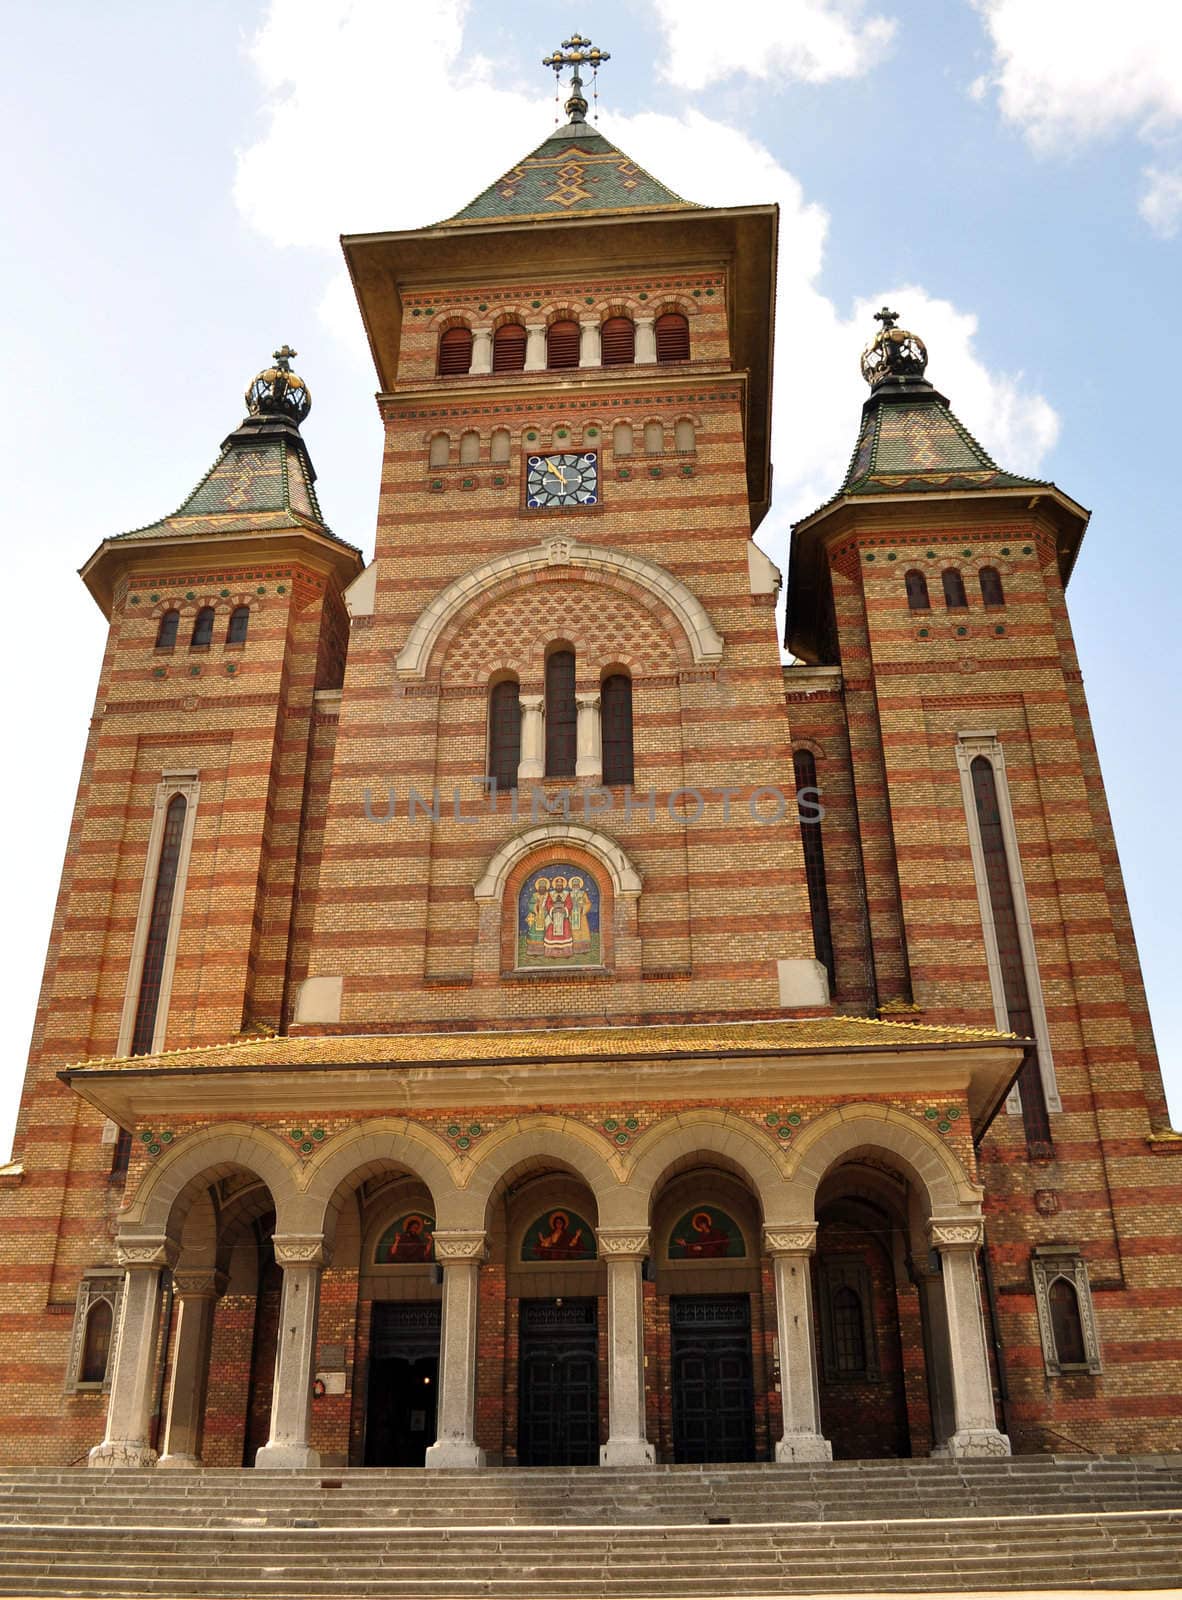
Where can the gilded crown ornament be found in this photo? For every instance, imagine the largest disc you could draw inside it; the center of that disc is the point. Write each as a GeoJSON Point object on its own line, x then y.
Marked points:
{"type": "Point", "coordinates": [278, 391]}
{"type": "Point", "coordinates": [893, 352]}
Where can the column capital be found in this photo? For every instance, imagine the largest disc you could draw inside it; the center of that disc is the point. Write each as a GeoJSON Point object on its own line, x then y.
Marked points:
{"type": "Point", "coordinates": [301, 1250]}
{"type": "Point", "coordinates": [623, 1244]}
{"type": "Point", "coordinates": [531, 702]}
{"type": "Point", "coordinates": [955, 1233]}
{"type": "Point", "coordinates": [457, 1244]}
{"type": "Point", "coordinates": [535, 327]}
{"type": "Point", "coordinates": [587, 698]}
{"type": "Point", "coordinates": [146, 1250]}
{"type": "Point", "coordinates": [199, 1283]}
{"type": "Point", "coordinates": [796, 1239]}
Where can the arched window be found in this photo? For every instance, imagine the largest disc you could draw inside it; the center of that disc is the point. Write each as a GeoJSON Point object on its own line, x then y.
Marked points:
{"type": "Point", "coordinates": [499, 453]}
{"type": "Point", "coordinates": [849, 1337]}
{"type": "Point", "coordinates": [504, 733]}
{"type": "Point", "coordinates": [561, 714]}
{"type": "Point", "coordinates": [203, 627]}
{"type": "Point", "coordinates": [804, 766]}
{"type": "Point", "coordinates": [672, 333]}
{"type": "Point", "coordinates": [618, 341]}
{"type": "Point", "coordinates": [96, 1345]}
{"type": "Point", "coordinates": [917, 591]}
{"type": "Point", "coordinates": [654, 438]}
{"type": "Point", "coordinates": [440, 450]}
{"type": "Point", "coordinates": [615, 702]}
{"type": "Point", "coordinates": [239, 624]}
{"type": "Point", "coordinates": [562, 344]}
{"type": "Point", "coordinates": [509, 348]}
{"type": "Point", "coordinates": [469, 448]}
{"type": "Point", "coordinates": [683, 435]}
{"type": "Point", "coordinates": [622, 439]}
{"type": "Point", "coordinates": [1066, 1324]}
{"type": "Point", "coordinates": [156, 946]}
{"type": "Point", "coordinates": [992, 592]}
{"type": "Point", "coordinates": [166, 632]}
{"type": "Point", "coordinates": [455, 352]}
{"type": "Point", "coordinates": [954, 596]}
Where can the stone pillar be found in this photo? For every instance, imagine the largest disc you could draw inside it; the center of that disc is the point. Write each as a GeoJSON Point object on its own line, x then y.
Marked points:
{"type": "Point", "coordinates": [481, 350]}
{"type": "Point", "coordinates": [590, 348]}
{"type": "Point", "coordinates": [197, 1291]}
{"type": "Point", "coordinates": [957, 1239]}
{"type": "Point", "coordinates": [791, 1250]}
{"type": "Point", "coordinates": [646, 342]}
{"type": "Point", "coordinates": [455, 1443]}
{"type": "Point", "coordinates": [624, 1251]}
{"type": "Point", "coordinates": [535, 347]}
{"type": "Point", "coordinates": [303, 1258]}
{"type": "Point", "coordinates": [588, 733]}
{"type": "Point", "coordinates": [533, 739]}
{"type": "Point", "coordinates": [934, 1320]}
{"type": "Point", "coordinates": [133, 1385]}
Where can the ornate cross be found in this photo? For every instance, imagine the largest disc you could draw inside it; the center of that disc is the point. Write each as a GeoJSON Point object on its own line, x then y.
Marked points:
{"type": "Point", "coordinates": [887, 318]}
{"type": "Point", "coordinates": [285, 357]}
{"type": "Point", "coordinates": [577, 51]}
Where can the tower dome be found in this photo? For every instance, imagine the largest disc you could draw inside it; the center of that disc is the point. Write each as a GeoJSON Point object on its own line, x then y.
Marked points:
{"type": "Point", "coordinates": [278, 391]}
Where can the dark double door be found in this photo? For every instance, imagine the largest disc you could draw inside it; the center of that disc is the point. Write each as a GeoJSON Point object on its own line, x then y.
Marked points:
{"type": "Point", "coordinates": [558, 1384]}
{"type": "Point", "coordinates": [403, 1380]}
{"type": "Point", "coordinates": [713, 1395]}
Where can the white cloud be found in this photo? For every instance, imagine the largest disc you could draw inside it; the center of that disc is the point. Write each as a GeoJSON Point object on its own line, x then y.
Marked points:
{"type": "Point", "coordinates": [335, 158]}
{"type": "Point", "coordinates": [1161, 203]}
{"type": "Point", "coordinates": [812, 40]}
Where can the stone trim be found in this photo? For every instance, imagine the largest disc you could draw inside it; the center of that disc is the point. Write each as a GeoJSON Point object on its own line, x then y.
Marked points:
{"type": "Point", "coordinates": [625, 878]}
{"type": "Point", "coordinates": [100, 1283]}
{"type": "Point", "coordinates": [1064, 1261]}
{"type": "Point", "coordinates": [801, 1241]}
{"type": "Point", "coordinates": [623, 1243]}
{"type": "Point", "coordinates": [456, 1244]}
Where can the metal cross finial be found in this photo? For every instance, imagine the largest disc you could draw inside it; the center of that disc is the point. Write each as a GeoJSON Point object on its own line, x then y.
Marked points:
{"type": "Point", "coordinates": [285, 357]}
{"type": "Point", "coordinates": [887, 318]}
{"type": "Point", "coordinates": [576, 52]}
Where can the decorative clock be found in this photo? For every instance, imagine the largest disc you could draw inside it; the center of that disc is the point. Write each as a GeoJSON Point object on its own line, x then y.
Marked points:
{"type": "Point", "coordinates": [567, 478]}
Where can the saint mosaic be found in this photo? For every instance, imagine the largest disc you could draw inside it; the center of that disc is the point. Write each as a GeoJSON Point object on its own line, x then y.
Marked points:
{"type": "Point", "coordinates": [558, 918]}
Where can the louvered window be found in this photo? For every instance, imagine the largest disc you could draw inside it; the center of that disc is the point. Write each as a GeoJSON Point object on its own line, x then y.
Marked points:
{"type": "Point", "coordinates": [672, 331]}
{"type": "Point", "coordinates": [166, 633]}
{"type": "Point", "coordinates": [917, 591]}
{"type": "Point", "coordinates": [158, 927]}
{"type": "Point", "coordinates": [992, 592]}
{"type": "Point", "coordinates": [239, 624]}
{"type": "Point", "coordinates": [509, 348]}
{"type": "Point", "coordinates": [504, 733]}
{"type": "Point", "coordinates": [561, 715]}
{"type": "Point", "coordinates": [616, 722]}
{"type": "Point", "coordinates": [562, 344]}
{"type": "Point", "coordinates": [455, 351]}
{"type": "Point", "coordinates": [618, 341]}
{"type": "Point", "coordinates": [203, 627]}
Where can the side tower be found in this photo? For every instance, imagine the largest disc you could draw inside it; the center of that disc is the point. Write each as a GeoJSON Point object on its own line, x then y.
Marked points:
{"type": "Point", "coordinates": [178, 909]}
{"type": "Point", "coordinates": [930, 592]}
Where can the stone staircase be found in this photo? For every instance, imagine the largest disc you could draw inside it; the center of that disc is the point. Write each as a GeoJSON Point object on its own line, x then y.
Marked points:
{"type": "Point", "coordinates": [1030, 1523]}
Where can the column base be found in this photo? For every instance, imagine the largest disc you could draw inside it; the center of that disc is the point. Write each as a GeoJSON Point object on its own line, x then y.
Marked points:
{"type": "Point", "coordinates": [971, 1442]}
{"type": "Point", "coordinates": [454, 1453]}
{"type": "Point", "coordinates": [285, 1457]}
{"type": "Point", "coordinates": [627, 1453]}
{"type": "Point", "coordinates": [178, 1461]}
{"type": "Point", "coordinates": [121, 1453]}
{"type": "Point", "coordinates": [803, 1447]}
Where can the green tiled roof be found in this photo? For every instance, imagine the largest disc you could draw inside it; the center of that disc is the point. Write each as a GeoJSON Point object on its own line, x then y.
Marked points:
{"type": "Point", "coordinates": [912, 441]}
{"type": "Point", "coordinates": [575, 172]}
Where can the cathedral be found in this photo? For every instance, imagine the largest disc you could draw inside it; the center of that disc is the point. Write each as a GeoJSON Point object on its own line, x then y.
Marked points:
{"type": "Point", "coordinates": [496, 1012]}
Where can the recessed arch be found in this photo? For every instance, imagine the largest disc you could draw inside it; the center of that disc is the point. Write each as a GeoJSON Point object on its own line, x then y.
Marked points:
{"type": "Point", "coordinates": [704, 642]}
{"type": "Point", "coordinates": [543, 1138]}
{"type": "Point", "coordinates": [624, 876]}
{"type": "Point", "coordinates": [371, 1146]}
{"type": "Point", "coordinates": [163, 1198]}
{"type": "Point", "coordinates": [706, 1130]}
{"type": "Point", "coordinates": [944, 1185]}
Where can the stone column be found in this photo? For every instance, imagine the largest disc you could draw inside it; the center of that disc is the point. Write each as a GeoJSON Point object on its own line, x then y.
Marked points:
{"type": "Point", "coordinates": [455, 1442]}
{"type": "Point", "coordinates": [535, 347]}
{"type": "Point", "coordinates": [197, 1291]}
{"type": "Point", "coordinates": [481, 350]}
{"type": "Point", "coordinates": [533, 739]}
{"type": "Point", "coordinates": [938, 1359]}
{"type": "Point", "coordinates": [303, 1258]}
{"type": "Point", "coordinates": [957, 1239]}
{"type": "Point", "coordinates": [791, 1250]}
{"type": "Point", "coordinates": [624, 1251]}
{"type": "Point", "coordinates": [589, 737]}
{"type": "Point", "coordinates": [646, 342]}
{"type": "Point", "coordinates": [129, 1409]}
{"type": "Point", "coordinates": [590, 347]}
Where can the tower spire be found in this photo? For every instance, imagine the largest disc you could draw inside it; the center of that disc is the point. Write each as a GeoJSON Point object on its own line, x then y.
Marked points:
{"type": "Point", "coordinates": [575, 52]}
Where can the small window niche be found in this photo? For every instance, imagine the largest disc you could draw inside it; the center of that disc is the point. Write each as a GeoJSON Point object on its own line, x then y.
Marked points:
{"type": "Point", "coordinates": [92, 1345]}
{"type": "Point", "coordinates": [1066, 1317]}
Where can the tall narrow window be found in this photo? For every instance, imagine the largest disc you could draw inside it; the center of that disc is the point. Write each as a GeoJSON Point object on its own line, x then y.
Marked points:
{"type": "Point", "coordinates": [992, 592]}
{"type": "Point", "coordinates": [504, 733]}
{"type": "Point", "coordinates": [654, 438]}
{"type": "Point", "coordinates": [808, 806]}
{"type": "Point", "coordinates": [562, 344]}
{"type": "Point", "coordinates": [683, 435]}
{"type": "Point", "coordinates": [469, 448]}
{"type": "Point", "coordinates": [509, 348]}
{"type": "Point", "coordinates": [440, 450]}
{"type": "Point", "coordinates": [616, 712]}
{"type": "Point", "coordinates": [158, 927]}
{"type": "Point", "coordinates": [499, 448]}
{"type": "Point", "coordinates": [202, 628]}
{"type": "Point", "coordinates": [954, 595]}
{"type": "Point", "coordinates": [618, 336]}
{"type": "Point", "coordinates": [917, 591]}
{"type": "Point", "coordinates": [673, 341]}
{"type": "Point", "coordinates": [1066, 1324]}
{"type": "Point", "coordinates": [239, 625]}
{"type": "Point", "coordinates": [1009, 946]}
{"type": "Point", "coordinates": [849, 1340]}
{"type": "Point", "coordinates": [166, 632]}
{"type": "Point", "coordinates": [455, 352]}
{"type": "Point", "coordinates": [561, 715]}
{"type": "Point", "coordinates": [96, 1345]}
{"type": "Point", "coordinates": [622, 439]}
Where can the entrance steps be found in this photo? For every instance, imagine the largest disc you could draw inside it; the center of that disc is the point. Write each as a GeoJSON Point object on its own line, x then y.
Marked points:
{"type": "Point", "coordinates": [619, 1533]}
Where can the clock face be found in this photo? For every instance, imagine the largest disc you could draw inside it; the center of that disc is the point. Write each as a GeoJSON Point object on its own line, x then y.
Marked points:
{"type": "Point", "coordinates": [567, 478]}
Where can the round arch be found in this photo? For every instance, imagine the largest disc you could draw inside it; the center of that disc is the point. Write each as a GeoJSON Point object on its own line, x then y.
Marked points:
{"type": "Point", "coordinates": [199, 1159]}
{"type": "Point", "coordinates": [368, 1148]}
{"type": "Point", "coordinates": [704, 642]}
{"type": "Point", "coordinates": [943, 1183]}
{"type": "Point", "coordinates": [625, 878]}
{"type": "Point", "coordinates": [708, 1131]}
{"type": "Point", "coordinates": [545, 1138]}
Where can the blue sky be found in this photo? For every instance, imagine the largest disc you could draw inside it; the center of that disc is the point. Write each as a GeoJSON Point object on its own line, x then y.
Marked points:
{"type": "Point", "coordinates": [1009, 173]}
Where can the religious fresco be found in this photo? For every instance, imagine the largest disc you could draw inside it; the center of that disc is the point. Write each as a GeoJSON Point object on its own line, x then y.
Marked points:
{"type": "Point", "coordinates": [558, 918]}
{"type": "Point", "coordinates": [559, 1235]}
{"type": "Point", "coordinates": [706, 1234]}
{"type": "Point", "coordinates": [408, 1238]}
